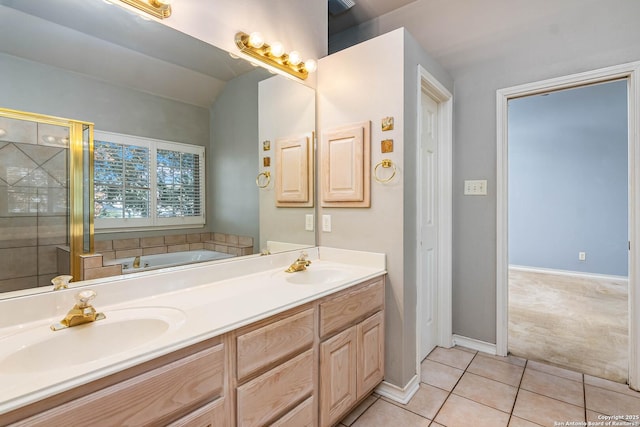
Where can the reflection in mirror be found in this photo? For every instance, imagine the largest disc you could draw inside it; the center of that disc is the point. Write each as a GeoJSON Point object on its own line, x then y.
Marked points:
{"type": "Point", "coordinates": [286, 116]}
{"type": "Point", "coordinates": [91, 61]}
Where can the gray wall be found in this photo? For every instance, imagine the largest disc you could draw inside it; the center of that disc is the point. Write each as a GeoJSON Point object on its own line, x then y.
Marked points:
{"type": "Point", "coordinates": [535, 56]}
{"type": "Point", "coordinates": [568, 179]}
{"type": "Point", "coordinates": [596, 35]}
{"type": "Point", "coordinates": [34, 87]}
{"type": "Point", "coordinates": [233, 158]}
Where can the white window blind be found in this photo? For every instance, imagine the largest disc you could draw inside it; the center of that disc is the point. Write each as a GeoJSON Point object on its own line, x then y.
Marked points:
{"type": "Point", "coordinates": [141, 182]}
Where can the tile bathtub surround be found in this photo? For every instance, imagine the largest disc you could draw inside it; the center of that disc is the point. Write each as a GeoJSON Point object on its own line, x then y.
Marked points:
{"type": "Point", "coordinates": [462, 387]}
{"type": "Point", "coordinates": [220, 242]}
{"type": "Point", "coordinates": [107, 250]}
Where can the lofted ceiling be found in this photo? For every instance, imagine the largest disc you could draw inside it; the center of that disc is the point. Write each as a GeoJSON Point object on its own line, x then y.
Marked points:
{"type": "Point", "coordinates": [363, 11]}
{"type": "Point", "coordinates": [161, 61]}
{"type": "Point", "coordinates": [458, 33]}
{"type": "Point", "coordinates": [124, 48]}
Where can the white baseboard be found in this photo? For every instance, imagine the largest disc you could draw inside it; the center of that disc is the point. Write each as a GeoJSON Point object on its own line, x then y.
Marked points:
{"type": "Point", "coordinates": [623, 279]}
{"type": "Point", "coordinates": [397, 394]}
{"type": "Point", "coordinates": [475, 344]}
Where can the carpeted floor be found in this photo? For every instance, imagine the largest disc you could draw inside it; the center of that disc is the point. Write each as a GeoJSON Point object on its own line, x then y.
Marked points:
{"type": "Point", "coordinates": [573, 322]}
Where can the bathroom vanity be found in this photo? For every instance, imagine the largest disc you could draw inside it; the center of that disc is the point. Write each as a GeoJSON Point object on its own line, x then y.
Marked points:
{"type": "Point", "coordinates": [259, 348]}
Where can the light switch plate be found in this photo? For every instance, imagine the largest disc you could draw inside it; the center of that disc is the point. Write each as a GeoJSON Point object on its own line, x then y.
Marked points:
{"type": "Point", "coordinates": [326, 223]}
{"type": "Point", "coordinates": [308, 222]}
{"type": "Point", "coordinates": [476, 187]}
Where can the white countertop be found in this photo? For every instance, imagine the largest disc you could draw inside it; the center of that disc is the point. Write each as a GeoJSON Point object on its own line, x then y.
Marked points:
{"type": "Point", "coordinates": [211, 299]}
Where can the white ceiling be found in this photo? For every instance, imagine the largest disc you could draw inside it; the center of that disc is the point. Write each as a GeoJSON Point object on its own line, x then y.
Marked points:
{"type": "Point", "coordinates": [455, 33]}
{"type": "Point", "coordinates": [124, 49]}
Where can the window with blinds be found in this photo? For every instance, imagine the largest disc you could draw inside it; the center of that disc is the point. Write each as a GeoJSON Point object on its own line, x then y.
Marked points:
{"type": "Point", "coordinates": [141, 182]}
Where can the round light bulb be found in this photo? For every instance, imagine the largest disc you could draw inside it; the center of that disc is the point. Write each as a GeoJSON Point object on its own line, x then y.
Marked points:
{"type": "Point", "coordinates": [310, 65]}
{"type": "Point", "coordinates": [256, 40]}
{"type": "Point", "coordinates": [2, 132]}
{"type": "Point", "coordinates": [294, 58]}
{"type": "Point", "coordinates": [276, 49]}
{"type": "Point", "coordinates": [49, 138]}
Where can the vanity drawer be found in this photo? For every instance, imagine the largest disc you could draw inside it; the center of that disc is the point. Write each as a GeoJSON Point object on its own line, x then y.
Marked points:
{"type": "Point", "coordinates": [210, 415]}
{"type": "Point", "coordinates": [349, 307]}
{"type": "Point", "coordinates": [300, 416]}
{"type": "Point", "coordinates": [263, 347]}
{"type": "Point", "coordinates": [154, 397]}
{"type": "Point", "coordinates": [272, 393]}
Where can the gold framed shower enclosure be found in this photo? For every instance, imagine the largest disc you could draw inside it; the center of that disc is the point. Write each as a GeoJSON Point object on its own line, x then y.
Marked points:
{"type": "Point", "coordinates": [81, 207]}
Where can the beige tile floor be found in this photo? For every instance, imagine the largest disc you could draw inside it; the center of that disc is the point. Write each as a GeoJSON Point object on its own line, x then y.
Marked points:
{"type": "Point", "coordinates": [465, 388]}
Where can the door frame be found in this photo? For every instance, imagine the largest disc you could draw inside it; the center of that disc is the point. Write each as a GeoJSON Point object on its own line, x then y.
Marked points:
{"type": "Point", "coordinates": [429, 84]}
{"type": "Point", "coordinates": [630, 71]}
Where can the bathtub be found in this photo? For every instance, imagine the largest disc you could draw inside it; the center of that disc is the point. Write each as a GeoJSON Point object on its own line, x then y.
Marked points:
{"type": "Point", "coordinates": [152, 262]}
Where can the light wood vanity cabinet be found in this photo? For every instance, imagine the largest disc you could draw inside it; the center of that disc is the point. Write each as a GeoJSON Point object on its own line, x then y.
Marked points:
{"type": "Point", "coordinates": [352, 360]}
{"type": "Point", "coordinates": [304, 367]}
{"type": "Point", "coordinates": [187, 390]}
{"type": "Point", "coordinates": [276, 362]}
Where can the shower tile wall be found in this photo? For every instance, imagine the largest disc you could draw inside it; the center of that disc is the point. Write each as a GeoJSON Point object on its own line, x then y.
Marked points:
{"type": "Point", "coordinates": [33, 202]}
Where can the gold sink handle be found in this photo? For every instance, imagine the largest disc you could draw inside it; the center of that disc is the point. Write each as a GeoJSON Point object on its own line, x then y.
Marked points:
{"type": "Point", "coordinates": [300, 264]}
{"type": "Point", "coordinates": [81, 313]}
{"type": "Point", "coordinates": [61, 282]}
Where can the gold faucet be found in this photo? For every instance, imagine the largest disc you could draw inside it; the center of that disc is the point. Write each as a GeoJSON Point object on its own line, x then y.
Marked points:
{"type": "Point", "coordinates": [136, 262]}
{"type": "Point", "coordinates": [61, 282]}
{"type": "Point", "coordinates": [82, 312]}
{"type": "Point", "coordinates": [300, 264]}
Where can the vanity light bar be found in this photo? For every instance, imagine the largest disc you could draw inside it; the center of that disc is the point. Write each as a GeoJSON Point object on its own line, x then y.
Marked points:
{"type": "Point", "coordinates": [273, 55]}
{"type": "Point", "coordinates": [159, 8]}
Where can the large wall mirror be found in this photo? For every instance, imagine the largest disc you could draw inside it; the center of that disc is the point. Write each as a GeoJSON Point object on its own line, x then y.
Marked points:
{"type": "Point", "coordinates": [93, 61]}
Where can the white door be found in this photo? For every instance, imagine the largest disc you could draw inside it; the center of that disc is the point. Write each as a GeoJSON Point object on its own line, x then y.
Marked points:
{"type": "Point", "coordinates": [428, 224]}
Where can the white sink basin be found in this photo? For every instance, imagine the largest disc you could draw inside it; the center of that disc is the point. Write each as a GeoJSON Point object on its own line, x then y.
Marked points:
{"type": "Point", "coordinates": [40, 349]}
{"type": "Point", "coordinates": [317, 276]}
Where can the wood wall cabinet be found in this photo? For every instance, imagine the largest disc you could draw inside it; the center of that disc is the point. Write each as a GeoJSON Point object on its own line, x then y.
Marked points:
{"type": "Point", "coordinates": [294, 171]}
{"type": "Point", "coordinates": [352, 360]}
{"type": "Point", "coordinates": [345, 166]}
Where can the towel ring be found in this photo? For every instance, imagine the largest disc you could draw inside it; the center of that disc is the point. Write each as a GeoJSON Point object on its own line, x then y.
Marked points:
{"type": "Point", "coordinates": [267, 177]}
{"type": "Point", "coordinates": [385, 163]}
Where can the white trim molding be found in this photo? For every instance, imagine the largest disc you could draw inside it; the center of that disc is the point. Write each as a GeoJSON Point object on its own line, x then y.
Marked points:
{"type": "Point", "coordinates": [429, 84]}
{"type": "Point", "coordinates": [569, 273]}
{"type": "Point", "coordinates": [631, 72]}
{"type": "Point", "coordinates": [397, 394]}
{"type": "Point", "coordinates": [474, 344]}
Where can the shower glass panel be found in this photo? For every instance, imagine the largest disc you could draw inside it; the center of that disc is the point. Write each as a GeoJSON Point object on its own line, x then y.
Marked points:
{"type": "Point", "coordinates": [46, 198]}
{"type": "Point", "coordinates": [34, 203]}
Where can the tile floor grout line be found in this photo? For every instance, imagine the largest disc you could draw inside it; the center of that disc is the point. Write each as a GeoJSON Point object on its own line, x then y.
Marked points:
{"type": "Point", "coordinates": [452, 388]}
{"type": "Point", "coordinates": [515, 399]}
{"type": "Point", "coordinates": [584, 397]}
{"type": "Point", "coordinates": [363, 412]}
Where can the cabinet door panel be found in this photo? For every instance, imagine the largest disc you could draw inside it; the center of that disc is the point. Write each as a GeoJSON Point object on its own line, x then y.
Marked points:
{"type": "Point", "coordinates": [370, 353]}
{"type": "Point", "coordinates": [345, 168]}
{"type": "Point", "coordinates": [337, 376]}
